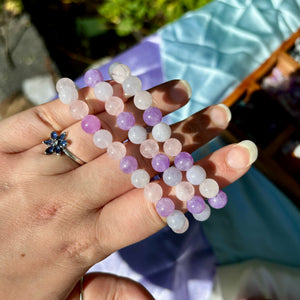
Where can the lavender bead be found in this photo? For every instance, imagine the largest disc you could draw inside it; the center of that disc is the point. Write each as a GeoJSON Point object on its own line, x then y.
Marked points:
{"type": "Point", "coordinates": [92, 77]}
{"type": "Point", "coordinates": [90, 124]}
{"type": "Point", "coordinates": [196, 205]}
{"type": "Point", "coordinates": [125, 120]}
{"type": "Point", "coordinates": [152, 116]}
{"type": "Point", "coordinates": [128, 164]}
{"type": "Point", "coordinates": [184, 161]}
{"type": "Point", "coordinates": [160, 162]}
{"type": "Point", "coordinates": [218, 201]}
{"type": "Point", "coordinates": [165, 207]}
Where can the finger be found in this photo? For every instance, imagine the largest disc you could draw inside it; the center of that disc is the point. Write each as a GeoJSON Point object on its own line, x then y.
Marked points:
{"type": "Point", "coordinates": [137, 218]}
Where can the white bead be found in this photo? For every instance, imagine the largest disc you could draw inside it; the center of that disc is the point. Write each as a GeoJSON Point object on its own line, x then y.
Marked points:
{"type": "Point", "coordinates": [63, 82]}
{"type": "Point", "coordinates": [176, 220]}
{"type": "Point", "coordinates": [102, 138]}
{"type": "Point", "coordinates": [103, 91]}
{"type": "Point", "coordinates": [119, 72]}
{"type": "Point", "coordinates": [172, 176]}
{"type": "Point", "coordinates": [131, 85]}
{"type": "Point", "coordinates": [209, 188]}
{"type": "Point", "coordinates": [68, 94]}
{"type": "Point", "coordinates": [184, 228]}
{"type": "Point", "coordinates": [153, 192]}
{"type": "Point", "coordinates": [184, 191]}
{"type": "Point", "coordinates": [111, 67]}
{"type": "Point", "coordinates": [142, 100]}
{"type": "Point", "coordinates": [140, 178]}
{"type": "Point", "coordinates": [204, 215]}
{"type": "Point", "coordinates": [195, 175]}
{"type": "Point", "coordinates": [161, 132]}
{"type": "Point", "coordinates": [137, 134]}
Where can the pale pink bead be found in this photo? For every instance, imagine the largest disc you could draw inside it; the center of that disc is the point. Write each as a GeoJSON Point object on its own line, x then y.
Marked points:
{"type": "Point", "coordinates": [116, 150]}
{"type": "Point", "coordinates": [172, 147]}
{"type": "Point", "coordinates": [114, 106]}
{"type": "Point", "coordinates": [149, 148]}
{"type": "Point", "coordinates": [68, 94]}
{"type": "Point", "coordinates": [209, 188]}
{"type": "Point", "coordinates": [102, 138]}
{"type": "Point", "coordinates": [62, 82]}
{"type": "Point", "coordinates": [184, 191]}
{"type": "Point", "coordinates": [103, 91]}
{"type": "Point", "coordinates": [153, 192]}
{"type": "Point", "coordinates": [78, 109]}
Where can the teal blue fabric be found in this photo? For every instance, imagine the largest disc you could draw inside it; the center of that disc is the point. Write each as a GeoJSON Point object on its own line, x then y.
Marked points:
{"type": "Point", "coordinates": [214, 49]}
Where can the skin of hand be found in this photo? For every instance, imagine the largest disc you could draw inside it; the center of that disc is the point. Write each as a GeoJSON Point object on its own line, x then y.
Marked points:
{"type": "Point", "coordinates": [57, 218]}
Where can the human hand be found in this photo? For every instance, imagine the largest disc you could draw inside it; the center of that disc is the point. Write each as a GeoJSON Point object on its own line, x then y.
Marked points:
{"type": "Point", "coordinates": [57, 218]}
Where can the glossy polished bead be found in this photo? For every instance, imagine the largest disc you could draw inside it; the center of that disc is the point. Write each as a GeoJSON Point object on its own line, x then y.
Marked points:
{"type": "Point", "coordinates": [140, 178]}
{"type": "Point", "coordinates": [161, 132]}
{"type": "Point", "coordinates": [102, 138]}
{"type": "Point", "coordinates": [195, 175]}
{"type": "Point", "coordinates": [219, 201]}
{"type": "Point", "coordinates": [209, 188]}
{"type": "Point", "coordinates": [184, 161]}
{"type": "Point", "coordinates": [92, 77]}
{"type": "Point", "coordinates": [172, 147]}
{"type": "Point", "coordinates": [172, 176]}
{"type": "Point", "coordinates": [142, 100]}
{"type": "Point", "coordinates": [68, 94]}
{"type": "Point", "coordinates": [119, 72]}
{"type": "Point", "coordinates": [165, 207]}
{"type": "Point", "coordinates": [131, 85]}
{"type": "Point", "coordinates": [103, 91]}
{"type": "Point", "coordinates": [152, 116]}
{"type": "Point", "coordinates": [149, 148]}
{"type": "Point", "coordinates": [196, 205]}
{"type": "Point", "coordinates": [111, 67]}
{"type": "Point", "coordinates": [153, 192]}
{"type": "Point", "coordinates": [184, 228]}
{"type": "Point", "coordinates": [114, 106]}
{"type": "Point", "coordinates": [63, 82]}
{"type": "Point", "coordinates": [184, 191]}
{"type": "Point", "coordinates": [160, 162]}
{"type": "Point", "coordinates": [78, 109]}
{"type": "Point", "coordinates": [204, 215]}
{"type": "Point", "coordinates": [137, 134]}
{"type": "Point", "coordinates": [90, 124]}
{"type": "Point", "coordinates": [116, 150]}
{"type": "Point", "coordinates": [176, 220]}
{"type": "Point", "coordinates": [128, 164]}
{"type": "Point", "coordinates": [125, 120]}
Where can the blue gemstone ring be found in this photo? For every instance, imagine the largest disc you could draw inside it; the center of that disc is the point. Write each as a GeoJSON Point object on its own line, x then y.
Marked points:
{"type": "Point", "coordinates": [57, 144]}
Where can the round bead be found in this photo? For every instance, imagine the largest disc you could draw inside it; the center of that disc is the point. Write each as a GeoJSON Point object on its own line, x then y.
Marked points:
{"type": "Point", "coordinates": [149, 148]}
{"type": "Point", "coordinates": [102, 138]}
{"type": "Point", "coordinates": [140, 178]}
{"type": "Point", "coordinates": [131, 85]}
{"type": "Point", "coordinates": [90, 124]}
{"type": "Point", "coordinates": [103, 91]}
{"type": "Point", "coordinates": [111, 67]}
{"type": "Point", "coordinates": [153, 192]}
{"type": "Point", "coordinates": [195, 175]}
{"type": "Point", "coordinates": [204, 215]}
{"type": "Point", "coordinates": [184, 191]}
{"type": "Point", "coordinates": [172, 147]}
{"type": "Point", "coordinates": [125, 120]}
{"type": "Point", "coordinates": [172, 176]}
{"type": "Point", "coordinates": [152, 116]}
{"type": "Point", "coordinates": [119, 72]}
{"type": "Point", "coordinates": [116, 150]}
{"type": "Point", "coordinates": [184, 161]}
{"type": "Point", "coordinates": [209, 188]}
{"type": "Point", "coordinates": [63, 82]}
{"type": "Point", "coordinates": [78, 109]}
{"type": "Point", "coordinates": [161, 132]}
{"type": "Point", "coordinates": [160, 162]}
{"type": "Point", "coordinates": [68, 94]}
{"type": "Point", "coordinates": [92, 77]}
{"type": "Point", "coordinates": [184, 228]}
{"type": "Point", "coordinates": [165, 207]}
{"type": "Point", "coordinates": [114, 106]}
{"type": "Point", "coordinates": [219, 201]}
{"type": "Point", "coordinates": [142, 100]}
{"type": "Point", "coordinates": [196, 205]}
{"type": "Point", "coordinates": [128, 164]}
{"type": "Point", "coordinates": [137, 134]}
{"type": "Point", "coordinates": [176, 220]}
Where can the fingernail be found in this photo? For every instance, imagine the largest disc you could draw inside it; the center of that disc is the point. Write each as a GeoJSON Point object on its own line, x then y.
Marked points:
{"type": "Point", "coordinates": [181, 91]}
{"type": "Point", "coordinates": [242, 155]}
{"type": "Point", "coordinates": [220, 115]}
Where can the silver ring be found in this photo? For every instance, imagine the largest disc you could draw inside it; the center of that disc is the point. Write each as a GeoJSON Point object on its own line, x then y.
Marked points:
{"type": "Point", "coordinates": [58, 144]}
{"type": "Point", "coordinates": [81, 288]}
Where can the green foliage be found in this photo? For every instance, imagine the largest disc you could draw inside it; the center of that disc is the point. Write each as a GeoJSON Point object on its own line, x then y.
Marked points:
{"type": "Point", "coordinates": [144, 16]}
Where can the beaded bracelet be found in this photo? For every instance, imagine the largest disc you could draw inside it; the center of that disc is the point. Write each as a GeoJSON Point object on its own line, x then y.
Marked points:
{"type": "Point", "coordinates": [149, 148]}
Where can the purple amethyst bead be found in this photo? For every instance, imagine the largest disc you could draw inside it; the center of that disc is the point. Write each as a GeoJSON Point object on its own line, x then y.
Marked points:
{"type": "Point", "coordinates": [90, 124]}
{"type": "Point", "coordinates": [165, 207]}
{"type": "Point", "coordinates": [128, 164]}
{"type": "Point", "coordinates": [218, 201]}
{"type": "Point", "coordinates": [92, 77]}
{"type": "Point", "coordinates": [196, 205]}
{"type": "Point", "coordinates": [160, 162]}
{"type": "Point", "coordinates": [152, 116]}
{"type": "Point", "coordinates": [125, 120]}
{"type": "Point", "coordinates": [184, 161]}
